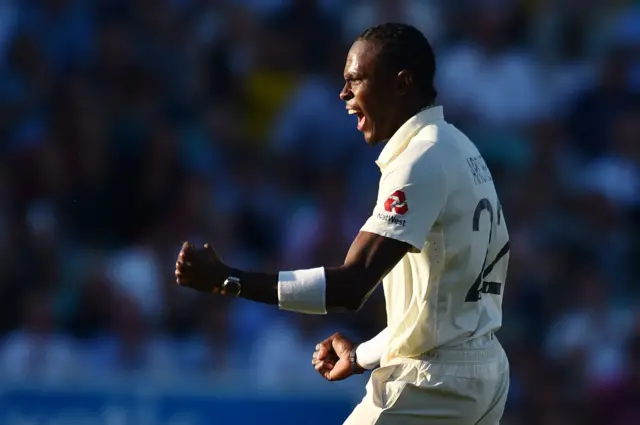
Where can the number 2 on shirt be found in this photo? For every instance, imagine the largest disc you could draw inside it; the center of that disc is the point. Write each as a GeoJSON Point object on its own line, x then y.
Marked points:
{"type": "Point", "coordinates": [480, 285]}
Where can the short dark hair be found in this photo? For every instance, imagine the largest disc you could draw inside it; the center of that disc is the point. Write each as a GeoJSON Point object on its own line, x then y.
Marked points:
{"type": "Point", "coordinates": [403, 46]}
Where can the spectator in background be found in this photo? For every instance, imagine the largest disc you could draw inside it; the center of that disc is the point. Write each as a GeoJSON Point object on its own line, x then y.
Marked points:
{"type": "Point", "coordinates": [616, 175]}
{"type": "Point", "coordinates": [309, 233]}
{"type": "Point", "coordinates": [426, 15]}
{"type": "Point", "coordinates": [618, 405]}
{"type": "Point", "coordinates": [8, 21]}
{"type": "Point", "coordinates": [269, 82]}
{"type": "Point", "coordinates": [293, 335]}
{"type": "Point", "coordinates": [592, 333]}
{"type": "Point", "coordinates": [36, 350]}
{"type": "Point", "coordinates": [127, 348]}
{"type": "Point", "coordinates": [313, 127]}
{"type": "Point", "coordinates": [594, 110]}
{"type": "Point", "coordinates": [488, 78]}
{"type": "Point", "coordinates": [65, 27]}
{"type": "Point", "coordinates": [561, 37]}
{"type": "Point", "coordinates": [297, 17]}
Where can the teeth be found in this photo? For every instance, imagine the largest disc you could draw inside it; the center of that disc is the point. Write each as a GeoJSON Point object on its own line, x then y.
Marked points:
{"type": "Point", "coordinates": [352, 112]}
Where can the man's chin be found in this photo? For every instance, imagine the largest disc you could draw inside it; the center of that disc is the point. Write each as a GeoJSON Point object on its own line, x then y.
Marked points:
{"type": "Point", "coordinates": [371, 139]}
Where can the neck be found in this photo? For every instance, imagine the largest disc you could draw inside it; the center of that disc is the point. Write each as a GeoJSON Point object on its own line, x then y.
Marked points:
{"type": "Point", "coordinates": [410, 111]}
{"type": "Point", "coordinates": [423, 106]}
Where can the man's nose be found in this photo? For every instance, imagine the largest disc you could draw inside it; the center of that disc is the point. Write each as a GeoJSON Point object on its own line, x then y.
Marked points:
{"type": "Point", "coordinates": [346, 93]}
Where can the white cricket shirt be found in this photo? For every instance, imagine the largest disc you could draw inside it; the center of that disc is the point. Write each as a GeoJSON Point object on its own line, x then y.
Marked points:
{"type": "Point", "coordinates": [437, 194]}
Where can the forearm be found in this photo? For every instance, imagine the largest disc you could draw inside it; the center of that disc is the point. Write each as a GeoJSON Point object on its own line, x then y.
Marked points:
{"type": "Point", "coordinates": [324, 289]}
{"type": "Point", "coordinates": [369, 353]}
{"type": "Point", "coordinates": [345, 288]}
{"type": "Point", "coordinates": [258, 287]}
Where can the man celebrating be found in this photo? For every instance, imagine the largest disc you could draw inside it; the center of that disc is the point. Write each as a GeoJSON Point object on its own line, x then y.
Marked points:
{"type": "Point", "coordinates": [436, 238]}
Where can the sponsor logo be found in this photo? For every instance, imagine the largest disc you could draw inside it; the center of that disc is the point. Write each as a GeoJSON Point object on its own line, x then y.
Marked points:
{"type": "Point", "coordinates": [397, 203]}
{"type": "Point", "coordinates": [391, 219]}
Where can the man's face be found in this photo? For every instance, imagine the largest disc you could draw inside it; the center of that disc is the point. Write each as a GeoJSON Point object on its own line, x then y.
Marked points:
{"type": "Point", "coordinates": [369, 93]}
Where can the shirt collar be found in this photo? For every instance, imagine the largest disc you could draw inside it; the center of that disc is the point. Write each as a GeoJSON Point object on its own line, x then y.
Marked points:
{"type": "Point", "coordinates": [401, 138]}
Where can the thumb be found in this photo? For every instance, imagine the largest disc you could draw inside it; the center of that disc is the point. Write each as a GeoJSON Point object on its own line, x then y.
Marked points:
{"type": "Point", "coordinates": [211, 253]}
{"type": "Point", "coordinates": [340, 371]}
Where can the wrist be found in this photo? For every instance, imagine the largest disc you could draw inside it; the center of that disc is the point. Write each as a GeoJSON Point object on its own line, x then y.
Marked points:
{"type": "Point", "coordinates": [356, 369]}
{"type": "Point", "coordinates": [231, 283]}
{"type": "Point", "coordinates": [302, 291]}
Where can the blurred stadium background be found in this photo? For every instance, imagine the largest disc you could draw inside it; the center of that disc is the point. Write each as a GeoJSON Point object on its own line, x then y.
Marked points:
{"type": "Point", "coordinates": [127, 127]}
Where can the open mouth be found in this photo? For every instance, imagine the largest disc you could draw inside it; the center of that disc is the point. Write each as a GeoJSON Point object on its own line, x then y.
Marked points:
{"type": "Point", "coordinates": [361, 118]}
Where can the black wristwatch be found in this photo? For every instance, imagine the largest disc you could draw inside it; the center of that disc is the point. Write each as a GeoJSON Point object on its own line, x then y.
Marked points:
{"type": "Point", "coordinates": [356, 369]}
{"type": "Point", "coordinates": [232, 286]}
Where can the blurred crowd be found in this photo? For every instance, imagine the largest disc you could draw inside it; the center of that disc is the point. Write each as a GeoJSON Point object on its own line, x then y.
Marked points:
{"type": "Point", "coordinates": [130, 126]}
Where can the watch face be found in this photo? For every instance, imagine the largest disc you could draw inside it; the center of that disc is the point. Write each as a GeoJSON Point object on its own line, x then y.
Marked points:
{"type": "Point", "coordinates": [235, 288]}
{"type": "Point", "coordinates": [232, 287]}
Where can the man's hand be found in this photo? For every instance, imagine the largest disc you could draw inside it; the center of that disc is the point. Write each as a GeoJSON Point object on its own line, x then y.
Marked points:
{"type": "Point", "coordinates": [332, 358]}
{"type": "Point", "coordinates": [200, 268]}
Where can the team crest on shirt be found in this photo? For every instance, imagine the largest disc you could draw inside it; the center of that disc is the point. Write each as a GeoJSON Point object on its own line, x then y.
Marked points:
{"type": "Point", "coordinates": [397, 203]}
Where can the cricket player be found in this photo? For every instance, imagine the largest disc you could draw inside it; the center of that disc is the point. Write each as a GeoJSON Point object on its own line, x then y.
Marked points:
{"type": "Point", "coordinates": [436, 238]}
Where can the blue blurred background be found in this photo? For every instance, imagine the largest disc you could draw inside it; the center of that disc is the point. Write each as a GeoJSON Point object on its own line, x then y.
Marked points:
{"type": "Point", "coordinates": [129, 126]}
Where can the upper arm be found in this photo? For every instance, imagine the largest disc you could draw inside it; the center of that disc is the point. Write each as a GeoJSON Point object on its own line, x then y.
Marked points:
{"type": "Point", "coordinates": [368, 261]}
{"type": "Point", "coordinates": [375, 255]}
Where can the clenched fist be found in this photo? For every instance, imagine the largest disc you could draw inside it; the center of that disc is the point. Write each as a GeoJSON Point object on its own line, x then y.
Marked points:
{"type": "Point", "coordinates": [200, 268]}
{"type": "Point", "coordinates": [332, 358]}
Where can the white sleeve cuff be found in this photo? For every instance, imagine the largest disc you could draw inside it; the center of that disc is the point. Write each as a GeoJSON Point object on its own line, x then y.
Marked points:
{"type": "Point", "coordinates": [369, 353]}
{"type": "Point", "coordinates": [302, 291]}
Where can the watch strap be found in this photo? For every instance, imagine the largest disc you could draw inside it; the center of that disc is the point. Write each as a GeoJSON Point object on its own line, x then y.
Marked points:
{"type": "Point", "coordinates": [356, 369]}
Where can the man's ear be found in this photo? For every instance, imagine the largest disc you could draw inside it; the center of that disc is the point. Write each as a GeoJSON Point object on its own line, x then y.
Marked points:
{"type": "Point", "coordinates": [404, 82]}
